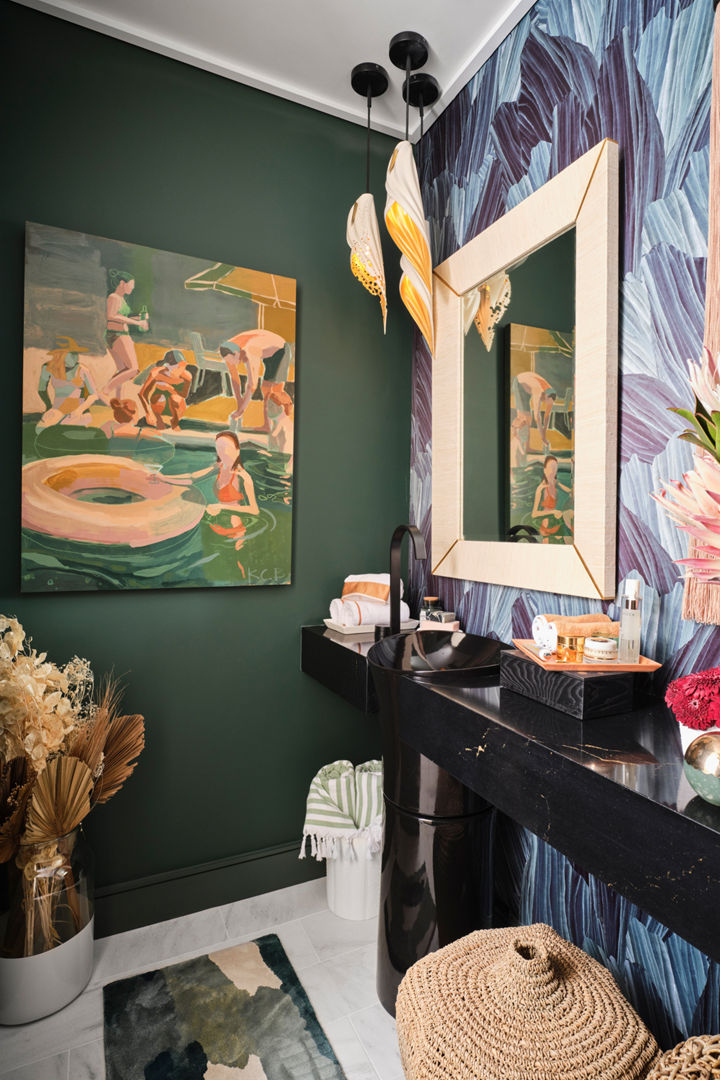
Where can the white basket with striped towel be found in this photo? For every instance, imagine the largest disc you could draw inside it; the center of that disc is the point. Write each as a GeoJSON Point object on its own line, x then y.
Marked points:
{"type": "Point", "coordinates": [343, 823]}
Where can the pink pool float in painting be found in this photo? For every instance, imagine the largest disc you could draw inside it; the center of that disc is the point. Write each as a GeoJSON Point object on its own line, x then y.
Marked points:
{"type": "Point", "coordinates": [64, 497]}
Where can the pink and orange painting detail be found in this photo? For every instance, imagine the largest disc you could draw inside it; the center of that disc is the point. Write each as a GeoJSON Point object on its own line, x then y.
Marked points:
{"type": "Point", "coordinates": [541, 425]}
{"type": "Point", "coordinates": [158, 417]}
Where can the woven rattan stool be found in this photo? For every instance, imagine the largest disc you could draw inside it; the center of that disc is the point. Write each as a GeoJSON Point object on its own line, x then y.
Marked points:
{"type": "Point", "coordinates": [519, 1003]}
{"type": "Point", "coordinates": [695, 1059]}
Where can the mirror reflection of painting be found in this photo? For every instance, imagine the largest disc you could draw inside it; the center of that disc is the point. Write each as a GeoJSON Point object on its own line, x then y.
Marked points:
{"type": "Point", "coordinates": [540, 421]}
{"type": "Point", "coordinates": [504, 454]}
{"type": "Point", "coordinates": [158, 403]}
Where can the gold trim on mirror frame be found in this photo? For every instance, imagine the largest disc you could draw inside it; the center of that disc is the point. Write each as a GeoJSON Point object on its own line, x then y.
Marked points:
{"type": "Point", "coordinates": [585, 195]}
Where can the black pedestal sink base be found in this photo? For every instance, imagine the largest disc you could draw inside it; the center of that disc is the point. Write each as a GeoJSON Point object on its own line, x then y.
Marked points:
{"type": "Point", "coordinates": [437, 874]}
{"type": "Point", "coordinates": [437, 885]}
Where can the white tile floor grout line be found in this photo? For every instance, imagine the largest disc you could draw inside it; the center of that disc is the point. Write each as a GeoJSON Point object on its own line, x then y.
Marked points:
{"type": "Point", "coordinates": [356, 1012]}
{"type": "Point", "coordinates": [360, 1039]}
{"type": "Point", "coordinates": [346, 952]}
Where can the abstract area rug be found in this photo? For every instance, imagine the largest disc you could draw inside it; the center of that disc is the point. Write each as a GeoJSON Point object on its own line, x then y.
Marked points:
{"type": "Point", "coordinates": [239, 1013]}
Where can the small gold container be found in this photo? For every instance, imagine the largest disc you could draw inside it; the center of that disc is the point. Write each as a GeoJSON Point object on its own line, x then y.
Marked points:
{"type": "Point", "coordinates": [570, 649]}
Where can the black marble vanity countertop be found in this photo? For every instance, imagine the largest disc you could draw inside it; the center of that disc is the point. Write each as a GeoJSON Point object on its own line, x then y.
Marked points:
{"type": "Point", "coordinates": [609, 793]}
{"type": "Point", "coordinates": [339, 661]}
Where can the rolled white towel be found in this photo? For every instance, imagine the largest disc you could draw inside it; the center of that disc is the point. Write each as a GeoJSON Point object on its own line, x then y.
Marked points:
{"type": "Point", "coordinates": [372, 587]}
{"type": "Point", "coordinates": [364, 612]}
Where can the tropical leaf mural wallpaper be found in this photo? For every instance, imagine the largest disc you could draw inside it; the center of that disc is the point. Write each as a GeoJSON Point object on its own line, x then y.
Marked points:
{"type": "Point", "coordinates": [571, 73]}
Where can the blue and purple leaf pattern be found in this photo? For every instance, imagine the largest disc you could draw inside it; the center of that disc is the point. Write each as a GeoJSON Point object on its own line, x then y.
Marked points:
{"type": "Point", "coordinates": [570, 74]}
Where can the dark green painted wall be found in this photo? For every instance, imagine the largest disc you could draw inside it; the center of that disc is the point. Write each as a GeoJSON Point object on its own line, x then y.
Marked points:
{"type": "Point", "coordinates": [114, 140]}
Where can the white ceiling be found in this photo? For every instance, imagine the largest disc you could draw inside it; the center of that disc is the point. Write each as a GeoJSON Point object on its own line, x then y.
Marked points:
{"type": "Point", "coordinates": [304, 50]}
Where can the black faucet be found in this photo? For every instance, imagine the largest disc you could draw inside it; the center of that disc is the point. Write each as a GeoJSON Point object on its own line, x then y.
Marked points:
{"type": "Point", "coordinates": [395, 546]}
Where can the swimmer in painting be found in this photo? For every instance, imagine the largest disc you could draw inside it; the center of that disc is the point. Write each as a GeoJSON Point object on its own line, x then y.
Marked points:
{"type": "Point", "coordinates": [545, 505]}
{"type": "Point", "coordinates": [167, 382]}
{"type": "Point", "coordinates": [117, 336]}
{"type": "Point", "coordinates": [234, 485]}
{"type": "Point", "coordinates": [66, 387]}
{"type": "Point", "coordinates": [124, 418]}
{"type": "Point", "coordinates": [124, 422]}
{"type": "Point", "coordinates": [534, 397]}
{"type": "Point", "coordinates": [280, 436]}
{"type": "Point", "coordinates": [263, 354]}
{"type": "Point", "coordinates": [519, 436]}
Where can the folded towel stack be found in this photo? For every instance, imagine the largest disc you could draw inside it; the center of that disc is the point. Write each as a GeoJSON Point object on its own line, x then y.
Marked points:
{"type": "Point", "coordinates": [545, 628]}
{"type": "Point", "coordinates": [365, 601]}
{"type": "Point", "coordinates": [364, 613]}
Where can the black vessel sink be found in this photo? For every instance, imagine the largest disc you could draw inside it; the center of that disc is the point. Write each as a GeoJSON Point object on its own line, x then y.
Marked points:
{"type": "Point", "coordinates": [439, 656]}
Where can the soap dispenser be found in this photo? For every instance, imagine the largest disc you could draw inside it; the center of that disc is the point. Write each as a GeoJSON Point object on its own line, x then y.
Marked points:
{"type": "Point", "coordinates": [630, 624]}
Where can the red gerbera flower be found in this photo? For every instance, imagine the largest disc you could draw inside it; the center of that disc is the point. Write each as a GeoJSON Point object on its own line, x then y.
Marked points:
{"type": "Point", "coordinates": [695, 699]}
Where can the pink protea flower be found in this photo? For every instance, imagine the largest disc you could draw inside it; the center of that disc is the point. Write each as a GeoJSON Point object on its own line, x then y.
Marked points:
{"type": "Point", "coordinates": [694, 503]}
{"type": "Point", "coordinates": [705, 381]}
{"type": "Point", "coordinates": [694, 506]}
{"type": "Point", "coordinates": [695, 699]}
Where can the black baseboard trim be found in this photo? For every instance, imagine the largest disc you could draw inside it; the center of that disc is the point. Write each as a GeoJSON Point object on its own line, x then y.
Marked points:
{"type": "Point", "coordinates": [147, 900]}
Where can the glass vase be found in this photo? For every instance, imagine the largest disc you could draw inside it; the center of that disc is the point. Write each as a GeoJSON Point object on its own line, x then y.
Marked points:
{"type": "Point", "coordinates": [46, 927]}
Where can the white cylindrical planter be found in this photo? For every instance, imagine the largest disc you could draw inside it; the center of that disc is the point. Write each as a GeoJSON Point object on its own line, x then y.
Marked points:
{"type": "Point", "coordinates": [35, 986]}
{"type": "Point", "coordinates": [353, 881]}
{"type": "Point", "coordinates": [46, 927]}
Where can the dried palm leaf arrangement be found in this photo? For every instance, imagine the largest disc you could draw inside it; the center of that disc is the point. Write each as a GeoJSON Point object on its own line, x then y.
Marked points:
{"type": "Point", "coordinates": [62, 749]}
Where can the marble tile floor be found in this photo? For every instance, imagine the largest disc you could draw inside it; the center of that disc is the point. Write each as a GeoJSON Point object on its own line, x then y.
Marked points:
{"type": "Point", "coordinates": [334, 959]}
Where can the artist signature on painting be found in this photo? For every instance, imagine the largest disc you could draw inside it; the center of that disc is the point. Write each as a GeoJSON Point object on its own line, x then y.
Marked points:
{"type": "Point", "coordinates": [276, 576]}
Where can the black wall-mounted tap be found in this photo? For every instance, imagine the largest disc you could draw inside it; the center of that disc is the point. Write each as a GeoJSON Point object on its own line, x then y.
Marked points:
{"type": "Point", "coordinates": [395, 548]}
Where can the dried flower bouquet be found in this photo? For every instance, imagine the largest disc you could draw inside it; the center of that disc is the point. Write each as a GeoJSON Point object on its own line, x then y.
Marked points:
{"type": "Point", "coordinates": [62, 750]}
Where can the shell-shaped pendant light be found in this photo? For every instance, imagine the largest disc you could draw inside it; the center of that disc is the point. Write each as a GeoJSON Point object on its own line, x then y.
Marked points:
{"type": "Point", "coordinates": [408, 228]}
{"type": "Point", "coordinates": [366, 259]}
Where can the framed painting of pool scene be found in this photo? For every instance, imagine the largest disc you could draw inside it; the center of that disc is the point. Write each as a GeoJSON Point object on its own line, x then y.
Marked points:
{"type": "Point", "coordinates": [541, 365]}
{"type": "Point", "coordinates": [158, 418]}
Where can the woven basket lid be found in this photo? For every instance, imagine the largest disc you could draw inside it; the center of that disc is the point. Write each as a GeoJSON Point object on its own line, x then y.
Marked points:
{"type": "Point", "coordinates": [697, 1058]}
{"type": "Point", "coordinates": [519, 1003]}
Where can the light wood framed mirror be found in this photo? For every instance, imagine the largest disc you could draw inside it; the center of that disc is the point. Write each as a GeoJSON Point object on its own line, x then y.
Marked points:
{"type": "Point", "coordinates": [584, 198]}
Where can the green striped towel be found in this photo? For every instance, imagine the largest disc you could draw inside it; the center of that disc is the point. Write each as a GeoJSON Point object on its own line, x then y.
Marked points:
{"type": "Point", "coordinates": [344, 803]}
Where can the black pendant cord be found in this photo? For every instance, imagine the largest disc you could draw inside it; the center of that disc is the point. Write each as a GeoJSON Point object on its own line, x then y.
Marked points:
{"type": "Point", "coordinates": [369, 80]}
{"type": "Point", "coordinates": [420, 91]}
{"type": "Point", "coordinates": [419, 145]}
{"type": "Point", "coordinates": [408, 69]}
{"type": "Point", "coordinates": [367, 151]}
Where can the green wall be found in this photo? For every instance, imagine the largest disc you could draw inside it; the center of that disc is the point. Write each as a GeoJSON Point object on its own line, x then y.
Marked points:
{"type": "Point", "coordinates": [114, 140]}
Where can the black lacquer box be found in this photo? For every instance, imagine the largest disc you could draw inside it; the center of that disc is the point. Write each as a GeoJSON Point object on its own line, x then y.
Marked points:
{"type": "Point", "coordinates": [582, 694]}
